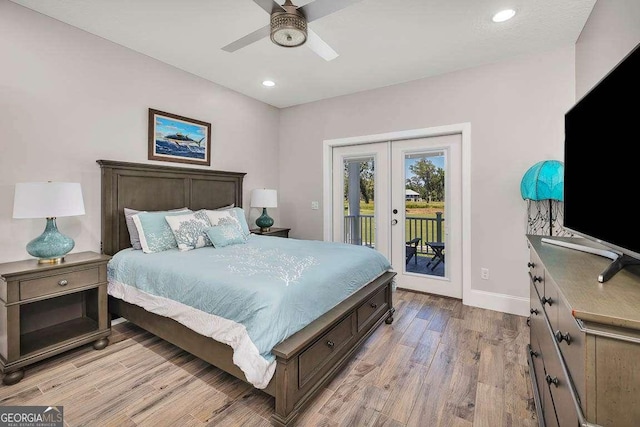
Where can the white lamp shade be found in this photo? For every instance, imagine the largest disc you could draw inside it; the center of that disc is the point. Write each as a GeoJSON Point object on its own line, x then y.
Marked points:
{"type": "Point", "coordinates": [47, 200]}
{"type": "Point", "coordinates": [264, 198]}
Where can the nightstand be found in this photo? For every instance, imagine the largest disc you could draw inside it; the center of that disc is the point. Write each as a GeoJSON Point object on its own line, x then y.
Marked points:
{"type": "Point", "coordinates": [46, 309]}
{"type": "Point", "coordinates": [274, 231]}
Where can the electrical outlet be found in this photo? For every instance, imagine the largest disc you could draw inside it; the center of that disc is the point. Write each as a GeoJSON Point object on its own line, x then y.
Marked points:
{"type": "Point", "coordinates": [315, 205]}
{"type": "Point", "coordinates": [484, 273]}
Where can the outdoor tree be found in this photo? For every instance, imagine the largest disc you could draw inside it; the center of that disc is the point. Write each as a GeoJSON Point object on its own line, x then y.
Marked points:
{"type": "Point", "coordinates": [427, 179]}
{"type": "Point", "coordinates": [366, 181]}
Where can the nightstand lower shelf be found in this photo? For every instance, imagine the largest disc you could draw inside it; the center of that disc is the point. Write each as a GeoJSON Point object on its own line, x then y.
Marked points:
{"type": "Point", "coordinates": [56, 335]}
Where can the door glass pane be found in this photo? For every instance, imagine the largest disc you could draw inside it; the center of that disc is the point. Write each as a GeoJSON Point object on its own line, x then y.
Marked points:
{"type": "Point", "coordinates": [424, 212]}
{"type": "Point", "coordinates": [359, 212]}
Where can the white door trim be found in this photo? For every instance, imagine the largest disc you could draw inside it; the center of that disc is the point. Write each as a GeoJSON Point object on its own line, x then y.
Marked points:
{"type": "Point", "coordinates": [461, 128]}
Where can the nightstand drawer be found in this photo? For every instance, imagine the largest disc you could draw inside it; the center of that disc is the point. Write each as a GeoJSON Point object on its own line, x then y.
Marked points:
{"type": "Point", "coordinates": [58, 283]}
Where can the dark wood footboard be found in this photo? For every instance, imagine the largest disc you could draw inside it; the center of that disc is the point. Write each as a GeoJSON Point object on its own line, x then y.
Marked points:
{"type": "Point", "coordinates": [310, 358]}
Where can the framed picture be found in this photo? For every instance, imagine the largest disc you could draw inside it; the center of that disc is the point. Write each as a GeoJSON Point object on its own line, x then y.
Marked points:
{"type": "Point", "coordinates": [174, 138]}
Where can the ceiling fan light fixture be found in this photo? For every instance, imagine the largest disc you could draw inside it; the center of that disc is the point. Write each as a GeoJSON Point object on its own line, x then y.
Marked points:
{"type": "Point", "coordinates": [288, 28]}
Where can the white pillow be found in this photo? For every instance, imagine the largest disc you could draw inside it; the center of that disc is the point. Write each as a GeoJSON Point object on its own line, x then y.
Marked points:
{"type": "Point", "coordinates": [189, 230]}
{"type": "Point", "coordinates": [222, 218]}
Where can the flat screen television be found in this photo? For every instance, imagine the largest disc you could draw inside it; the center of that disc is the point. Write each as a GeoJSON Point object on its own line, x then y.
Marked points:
{"type": "Point", "coordinates": [602, 169]}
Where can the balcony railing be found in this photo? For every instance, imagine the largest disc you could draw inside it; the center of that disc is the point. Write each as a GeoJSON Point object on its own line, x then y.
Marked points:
{"type": "Point", "coordinates": [360, 230]}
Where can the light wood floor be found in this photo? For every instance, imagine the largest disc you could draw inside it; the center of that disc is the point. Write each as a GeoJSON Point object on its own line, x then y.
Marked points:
{"type": "Point", "coordinates": [439, 364]}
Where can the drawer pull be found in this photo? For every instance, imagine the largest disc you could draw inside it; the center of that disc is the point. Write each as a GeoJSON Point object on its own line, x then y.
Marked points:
{"type": "Point", "coordinates": [373, 305]}
{"type": "Point", "coordinates": [330, 344]}
{"type": "Point", "coordinates": [534, 353]}
{"type": "Point", "coordinates": [552, 380]}
{"type": "Point", "coordinates": [534, 311]}
{"type": "Point", "coordinates": [546, 300]}
{"type": "Point", "coordinates": [530, 265]}
{"type": "Point", "coordinates": [63, 282]}
{"type": "Point", "coordinates": [537, 279]}
{"type": "Point", "coordinates": [560, 337]}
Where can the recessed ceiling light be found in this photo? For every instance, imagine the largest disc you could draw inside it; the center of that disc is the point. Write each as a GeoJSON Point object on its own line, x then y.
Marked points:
{"type": "Point", "coordinates": [504, 15]}
{"type": "Point", "coordinates": [268, 83]}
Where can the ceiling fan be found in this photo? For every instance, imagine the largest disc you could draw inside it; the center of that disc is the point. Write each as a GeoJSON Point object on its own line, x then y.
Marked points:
{"type": "Point", "coordinates": [288, 26]}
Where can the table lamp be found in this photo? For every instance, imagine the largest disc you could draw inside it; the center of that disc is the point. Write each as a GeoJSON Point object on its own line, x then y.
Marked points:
{"type": "Point", "coordinates": [48, 200]}
{"type": "Point", "coordinates": [264, 198]}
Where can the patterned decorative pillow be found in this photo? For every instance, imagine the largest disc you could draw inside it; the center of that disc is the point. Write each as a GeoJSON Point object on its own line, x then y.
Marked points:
{"type": "Point", "coordinates": [154, 231]}
{"type": "Point", "coordinates": [189, 230]}
{"type": "Point", "coordinates": [223, 217]}
{"type": "Point", "coordinates": [134, 237]}
{"type": "Point", "coordinates": [225, 235]}
{"type": "Point", "coordinates": [242, 219]}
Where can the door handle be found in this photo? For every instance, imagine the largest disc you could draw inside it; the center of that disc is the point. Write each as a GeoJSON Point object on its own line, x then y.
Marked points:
{"type": "Point", "coordinates": [394, 222]}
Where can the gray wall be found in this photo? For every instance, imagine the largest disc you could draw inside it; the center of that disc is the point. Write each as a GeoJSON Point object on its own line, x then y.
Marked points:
{"type": "Point", "coordinates": [68, 98]}
{"type": "Point", "coordinates": [516, 110]}
{"type": "Point", "coordinates": [611, 32]}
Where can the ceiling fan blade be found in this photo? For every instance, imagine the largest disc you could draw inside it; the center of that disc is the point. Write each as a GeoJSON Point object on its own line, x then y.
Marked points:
{"type": "Point", "coordinates": [319, 8]}
{"type": "Point", "coordinates": [248, 39]}
{"type": "Point", "coordinates": [268, 5]}
{"type": "Point", "coordinates": [319, 46]}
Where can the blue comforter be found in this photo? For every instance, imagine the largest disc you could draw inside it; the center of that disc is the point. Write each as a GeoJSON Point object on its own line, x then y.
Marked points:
{"type": "Point", "coordinates": [272, 286]}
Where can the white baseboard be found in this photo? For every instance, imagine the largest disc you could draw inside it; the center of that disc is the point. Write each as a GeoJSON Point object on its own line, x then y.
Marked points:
{"type": "Point", "coordinates": [497, 302]}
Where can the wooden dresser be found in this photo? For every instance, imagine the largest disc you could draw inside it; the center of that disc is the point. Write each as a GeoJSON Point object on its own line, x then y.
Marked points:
{"type": "Point", "coordinates": [584, 352]}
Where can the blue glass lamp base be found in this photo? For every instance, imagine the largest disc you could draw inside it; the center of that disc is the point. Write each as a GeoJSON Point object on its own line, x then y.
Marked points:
{"type": "Point", "coordinates": [51, 246]}
{"type": "Point", "coordinates": [264, 221]}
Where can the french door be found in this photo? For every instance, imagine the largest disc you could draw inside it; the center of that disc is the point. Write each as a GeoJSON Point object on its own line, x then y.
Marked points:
{"type": "Point", "coordinates": [403, 198]}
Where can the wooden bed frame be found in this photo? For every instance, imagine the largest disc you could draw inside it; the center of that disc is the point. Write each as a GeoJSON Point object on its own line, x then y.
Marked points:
{"type": "Point", "coordinates": [307, 360]}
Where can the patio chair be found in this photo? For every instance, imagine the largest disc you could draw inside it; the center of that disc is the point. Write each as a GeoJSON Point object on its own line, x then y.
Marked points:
{"type": "Point", "coordinates": [412, 250]}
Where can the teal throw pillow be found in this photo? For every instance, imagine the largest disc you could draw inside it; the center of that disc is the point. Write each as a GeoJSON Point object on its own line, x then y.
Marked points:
{"type": "Point", "coordinates": [226, 234]}
{"type": "Point", "coordinates": [154, 231]}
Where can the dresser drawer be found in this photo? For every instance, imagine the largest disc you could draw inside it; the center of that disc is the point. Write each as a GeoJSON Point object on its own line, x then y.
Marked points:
{"type": "Point", "coordinates": [573, 350]}
{"type": "Point", "coordinates": [325, 349]}
{"type": "Point", "coordinates": [536, 271]}
{"type": "Point", "coordinates": [550, 301]}
{"type": "Point", "coordinates": [34, 288]}
{"type": "Point", "coordinates": [372, 308]}
{"type": "Point", "coordinates": [561, 394]}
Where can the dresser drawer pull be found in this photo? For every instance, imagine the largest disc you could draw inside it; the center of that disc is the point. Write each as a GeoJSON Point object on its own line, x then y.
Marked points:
{"type": "Point", "coordinates": [552, 380]}
{"type": "Point", "coordinates": [560, 337]}
{"type": "Point", "coordinates": [373, 305]}
{"type": "Point", "coordinates": [537, 279]}
{"type": "Point", "coordinates": [530, 265]}
{"type": "Point", "coordinates": [330, 344]}
{"type": "Point", "coordinates": [534, 353]}
{"type": "Point", "coordinates": [534, 311]}
{"type": "Point", "coordinates": [63, 282]}
{"type": "Point", "coordinates": [546, 300]}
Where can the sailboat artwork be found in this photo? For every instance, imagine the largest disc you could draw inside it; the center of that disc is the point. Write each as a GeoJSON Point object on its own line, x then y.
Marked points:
{"type": "Point", "coordinates": [174, 138]}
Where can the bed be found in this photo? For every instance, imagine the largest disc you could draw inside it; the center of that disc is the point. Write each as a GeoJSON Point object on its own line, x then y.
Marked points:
{"type": "Point", "coordinates": [300, 364]}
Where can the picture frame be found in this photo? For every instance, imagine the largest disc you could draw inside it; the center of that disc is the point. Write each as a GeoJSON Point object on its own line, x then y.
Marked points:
{"type": "Point", "coordinates": [174, 138]}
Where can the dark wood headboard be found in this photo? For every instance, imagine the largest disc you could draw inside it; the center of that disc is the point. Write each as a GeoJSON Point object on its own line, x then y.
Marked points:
{"type": "Point", "coordinates": [152, 188]}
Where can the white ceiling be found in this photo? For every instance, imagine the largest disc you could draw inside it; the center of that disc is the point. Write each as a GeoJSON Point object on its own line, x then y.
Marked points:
{"type": "Point", "coordinates": [380, 42]}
